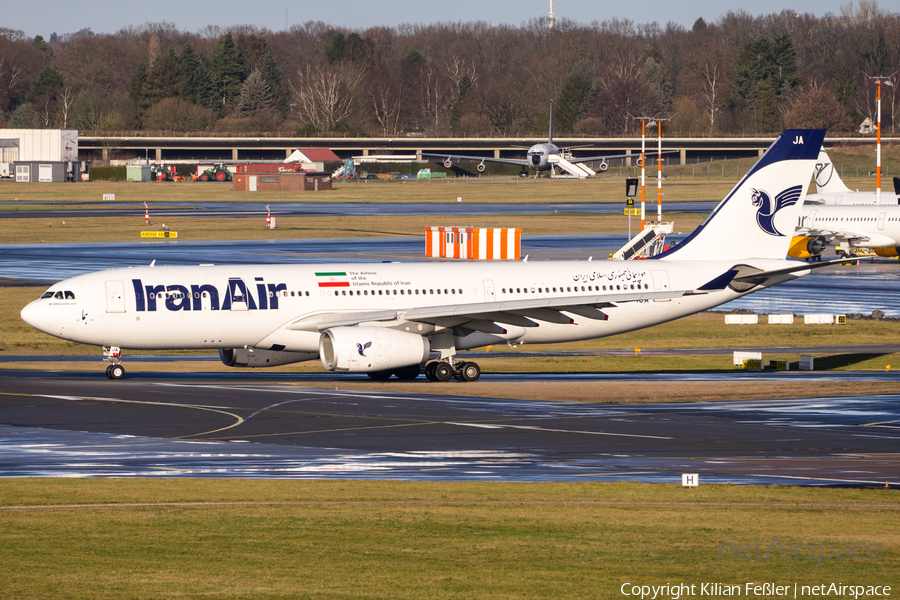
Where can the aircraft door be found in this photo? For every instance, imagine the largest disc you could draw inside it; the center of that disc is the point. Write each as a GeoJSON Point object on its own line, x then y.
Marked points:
{"type": "Point", "coordinates": [489, 290]}
{"type": "Point", "coordinates": [881, 221]}
{"type": "Point", "coordinates": [809, 220]}
{"type": "Point", "coordinates": [115, 297]}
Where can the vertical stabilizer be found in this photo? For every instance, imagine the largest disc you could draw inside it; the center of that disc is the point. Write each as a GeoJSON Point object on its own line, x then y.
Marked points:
{"type": "Point", "coordinates": [827, 179]}
{"type": "Point", "coordinates": [758, 217]}
{"type": "Point", "coordinates": [550, 137]}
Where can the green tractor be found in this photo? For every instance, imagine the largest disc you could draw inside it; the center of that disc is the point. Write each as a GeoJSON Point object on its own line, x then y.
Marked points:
{"type": "Point", "coordinates": [163, 173]}
{"type": "Point", "coordinates": [216, 172]}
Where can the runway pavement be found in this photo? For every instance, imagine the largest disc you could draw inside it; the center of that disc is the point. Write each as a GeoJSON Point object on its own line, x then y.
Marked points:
{"type": "Point", "coordinates": [62, 424]}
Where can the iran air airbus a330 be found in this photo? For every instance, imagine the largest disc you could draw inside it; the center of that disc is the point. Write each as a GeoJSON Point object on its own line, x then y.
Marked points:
{"type": "Point", "coordinates": [391, 318]}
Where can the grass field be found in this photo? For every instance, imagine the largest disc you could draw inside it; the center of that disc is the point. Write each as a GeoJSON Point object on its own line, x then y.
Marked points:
{"type": "Point", "coordinates": [293, 539]}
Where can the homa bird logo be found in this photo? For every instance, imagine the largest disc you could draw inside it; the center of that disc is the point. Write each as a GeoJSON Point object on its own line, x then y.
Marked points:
{"type": "Point", "coordinates": [766, 212]}
{"type": "Point", "coordinates": [361, 348]}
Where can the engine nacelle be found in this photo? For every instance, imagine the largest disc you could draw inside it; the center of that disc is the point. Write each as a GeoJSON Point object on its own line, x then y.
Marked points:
{"type": "Point", "coordinates": [604, 166]}
{"type": "Point", "coordinates": [242, 357]}
{"type": "Point", "coordinates": [805, 247]}
{"type": "Point", "coordinates": [888, 252]}
{"type": "Point", "coordinates": [480, 168]}
{"type": "Point", "coordinates": [448, 164]}
{"type": "Point", "coordinates": [369, 349]}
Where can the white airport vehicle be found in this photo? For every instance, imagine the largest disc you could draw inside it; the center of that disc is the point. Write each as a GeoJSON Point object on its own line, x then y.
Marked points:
{"type": "Point", "coordinates": [389, 319]}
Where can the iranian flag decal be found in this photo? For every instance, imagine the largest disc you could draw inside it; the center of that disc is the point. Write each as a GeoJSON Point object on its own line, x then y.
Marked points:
{"type": "Point", "coordinates": [337, 279]}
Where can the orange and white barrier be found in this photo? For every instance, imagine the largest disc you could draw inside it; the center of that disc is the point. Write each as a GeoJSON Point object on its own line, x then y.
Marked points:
{"type": "Point", "coordinates": [474, 243]}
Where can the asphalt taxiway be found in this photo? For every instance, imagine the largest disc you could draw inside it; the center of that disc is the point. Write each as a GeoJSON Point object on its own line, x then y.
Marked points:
{"type": "Point", "coordinates": [82, 425]}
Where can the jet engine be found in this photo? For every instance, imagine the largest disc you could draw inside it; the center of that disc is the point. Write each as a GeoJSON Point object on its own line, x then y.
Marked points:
{"type": "Point", "coordinates": [370, 349]}
{"type": "Point", "coordinates": [448, 164]}
{"type": "Point", "coordinates": [243, 357]}
{"type": "Point", "coordinates": [805, 247]}
{"type": "Point", "coordinates": [888, 252]}
{"type": "Point", "coordinates": [604, 166]}
{"type": "Point", "coordinates": [481, 167]}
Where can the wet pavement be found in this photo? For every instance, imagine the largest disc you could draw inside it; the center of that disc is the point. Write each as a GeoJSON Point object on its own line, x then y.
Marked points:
{"type": "Point", "coordinates": [66, 426]}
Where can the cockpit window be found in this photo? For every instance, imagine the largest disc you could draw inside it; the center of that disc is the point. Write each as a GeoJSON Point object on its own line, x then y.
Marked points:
{"type": "Point", "coordinates": [47, 295]}
{"type": "Point", "coordinates": [58, 295]}
{"type": "Point", "coordinates": [69, 295]}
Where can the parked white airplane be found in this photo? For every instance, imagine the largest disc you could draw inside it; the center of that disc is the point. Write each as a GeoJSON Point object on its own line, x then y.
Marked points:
{"type": "Point", "coordinates": [875, 226]}
{"type": "Point", "coordinates": [388, 318]}
{"type": "Point", "coordinates": [837, 214]}
{"type": "Point", "coordinates": [830, 189]}
{"type": "Point", "coordinates": [543, 157]}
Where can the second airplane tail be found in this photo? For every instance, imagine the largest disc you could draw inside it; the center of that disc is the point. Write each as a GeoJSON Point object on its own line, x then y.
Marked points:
{"type": "Point", "coordinates": [827, 179]}
{"type": "Point", "coordinates": [757, 218]}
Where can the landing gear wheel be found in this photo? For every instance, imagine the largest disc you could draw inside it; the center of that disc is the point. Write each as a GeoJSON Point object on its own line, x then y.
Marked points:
{"type": "Point", "coordinates": [470, 371]}
{"type": "Point", "coordinates": [108, 369]}
{"type": "Point", "coordinates": [429, 371]}
{"type": "Point", "coordinates": [443, 372]}
{"type": "Point", "coordinates": [407, 373]}
{"type": "Point", "coordinates": [380, 375]}
{"type": "Point", "coordinates": [115, 372]}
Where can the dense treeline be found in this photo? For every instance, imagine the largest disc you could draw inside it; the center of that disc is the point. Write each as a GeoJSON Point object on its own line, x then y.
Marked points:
{"type": "Point", "coordinates": [739, 75]}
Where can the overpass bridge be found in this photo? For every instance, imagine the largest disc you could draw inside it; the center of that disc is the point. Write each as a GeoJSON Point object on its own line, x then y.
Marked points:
{"type": "Point", "coordinates": [161, 148]}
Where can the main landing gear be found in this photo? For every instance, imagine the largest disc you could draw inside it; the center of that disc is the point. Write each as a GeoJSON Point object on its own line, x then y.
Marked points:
{"type": "Point", "coordinates": [115, 370]}
{"type": "Point", "coordinates": [444, 371]}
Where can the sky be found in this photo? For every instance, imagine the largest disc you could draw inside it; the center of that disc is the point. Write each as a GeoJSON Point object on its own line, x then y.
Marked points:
{"type": "Point", "coordinates": [103, 16]}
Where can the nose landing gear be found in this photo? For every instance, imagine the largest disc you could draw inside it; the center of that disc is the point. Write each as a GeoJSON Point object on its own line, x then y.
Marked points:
{"type": "Point", "coordinates": [115, 370]}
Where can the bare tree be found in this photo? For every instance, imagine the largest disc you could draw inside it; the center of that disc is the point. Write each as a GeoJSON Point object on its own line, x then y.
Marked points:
{"type": "Point", "coordinates": [324, 94]}
{"type": "Point", "coordinates": [66, 99]}
{"type": "Point", "coordinates": [437, 96]}
{"type": "Point", "coordinates": [387, 104]}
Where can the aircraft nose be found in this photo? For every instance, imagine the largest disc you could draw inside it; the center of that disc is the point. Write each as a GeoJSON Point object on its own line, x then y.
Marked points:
{"type": "Point", "coordinates": [33, 315]}
{"type": "Point", "coordinates": [29, 314]}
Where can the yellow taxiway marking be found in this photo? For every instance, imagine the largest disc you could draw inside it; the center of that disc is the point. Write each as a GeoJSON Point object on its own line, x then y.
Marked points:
{"type": "Point", "coordinates": [880, 423]}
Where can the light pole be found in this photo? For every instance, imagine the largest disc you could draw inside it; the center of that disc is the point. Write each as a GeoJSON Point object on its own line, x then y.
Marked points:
{"type": "Point", "coordinates": [887, 81]}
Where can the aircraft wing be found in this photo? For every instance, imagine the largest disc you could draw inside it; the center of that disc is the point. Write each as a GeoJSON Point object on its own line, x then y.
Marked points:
{"type": "Point", "coordinates": [872, 240]}
{"type": "Point", "coordinates": [606, 157]}
{"type": "Point", "coordinates": [510, 161]}
{"type": "Point", "coordinates": [481, 316]}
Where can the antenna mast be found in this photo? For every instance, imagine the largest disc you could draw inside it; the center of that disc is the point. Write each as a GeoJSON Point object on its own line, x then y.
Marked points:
{"type": "Point", "coordinates": [550, 18]}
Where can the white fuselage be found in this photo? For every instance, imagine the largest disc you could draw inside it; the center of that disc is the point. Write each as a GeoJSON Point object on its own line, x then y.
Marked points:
{"type": "Point", "coordinates": [865, 226]}
{"type": "Point", "coordinates": [539, 155]}
{"type": "Point", "coordinates": [853, 198]}
{"type": "Point", "coordinates": [279, 306]}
